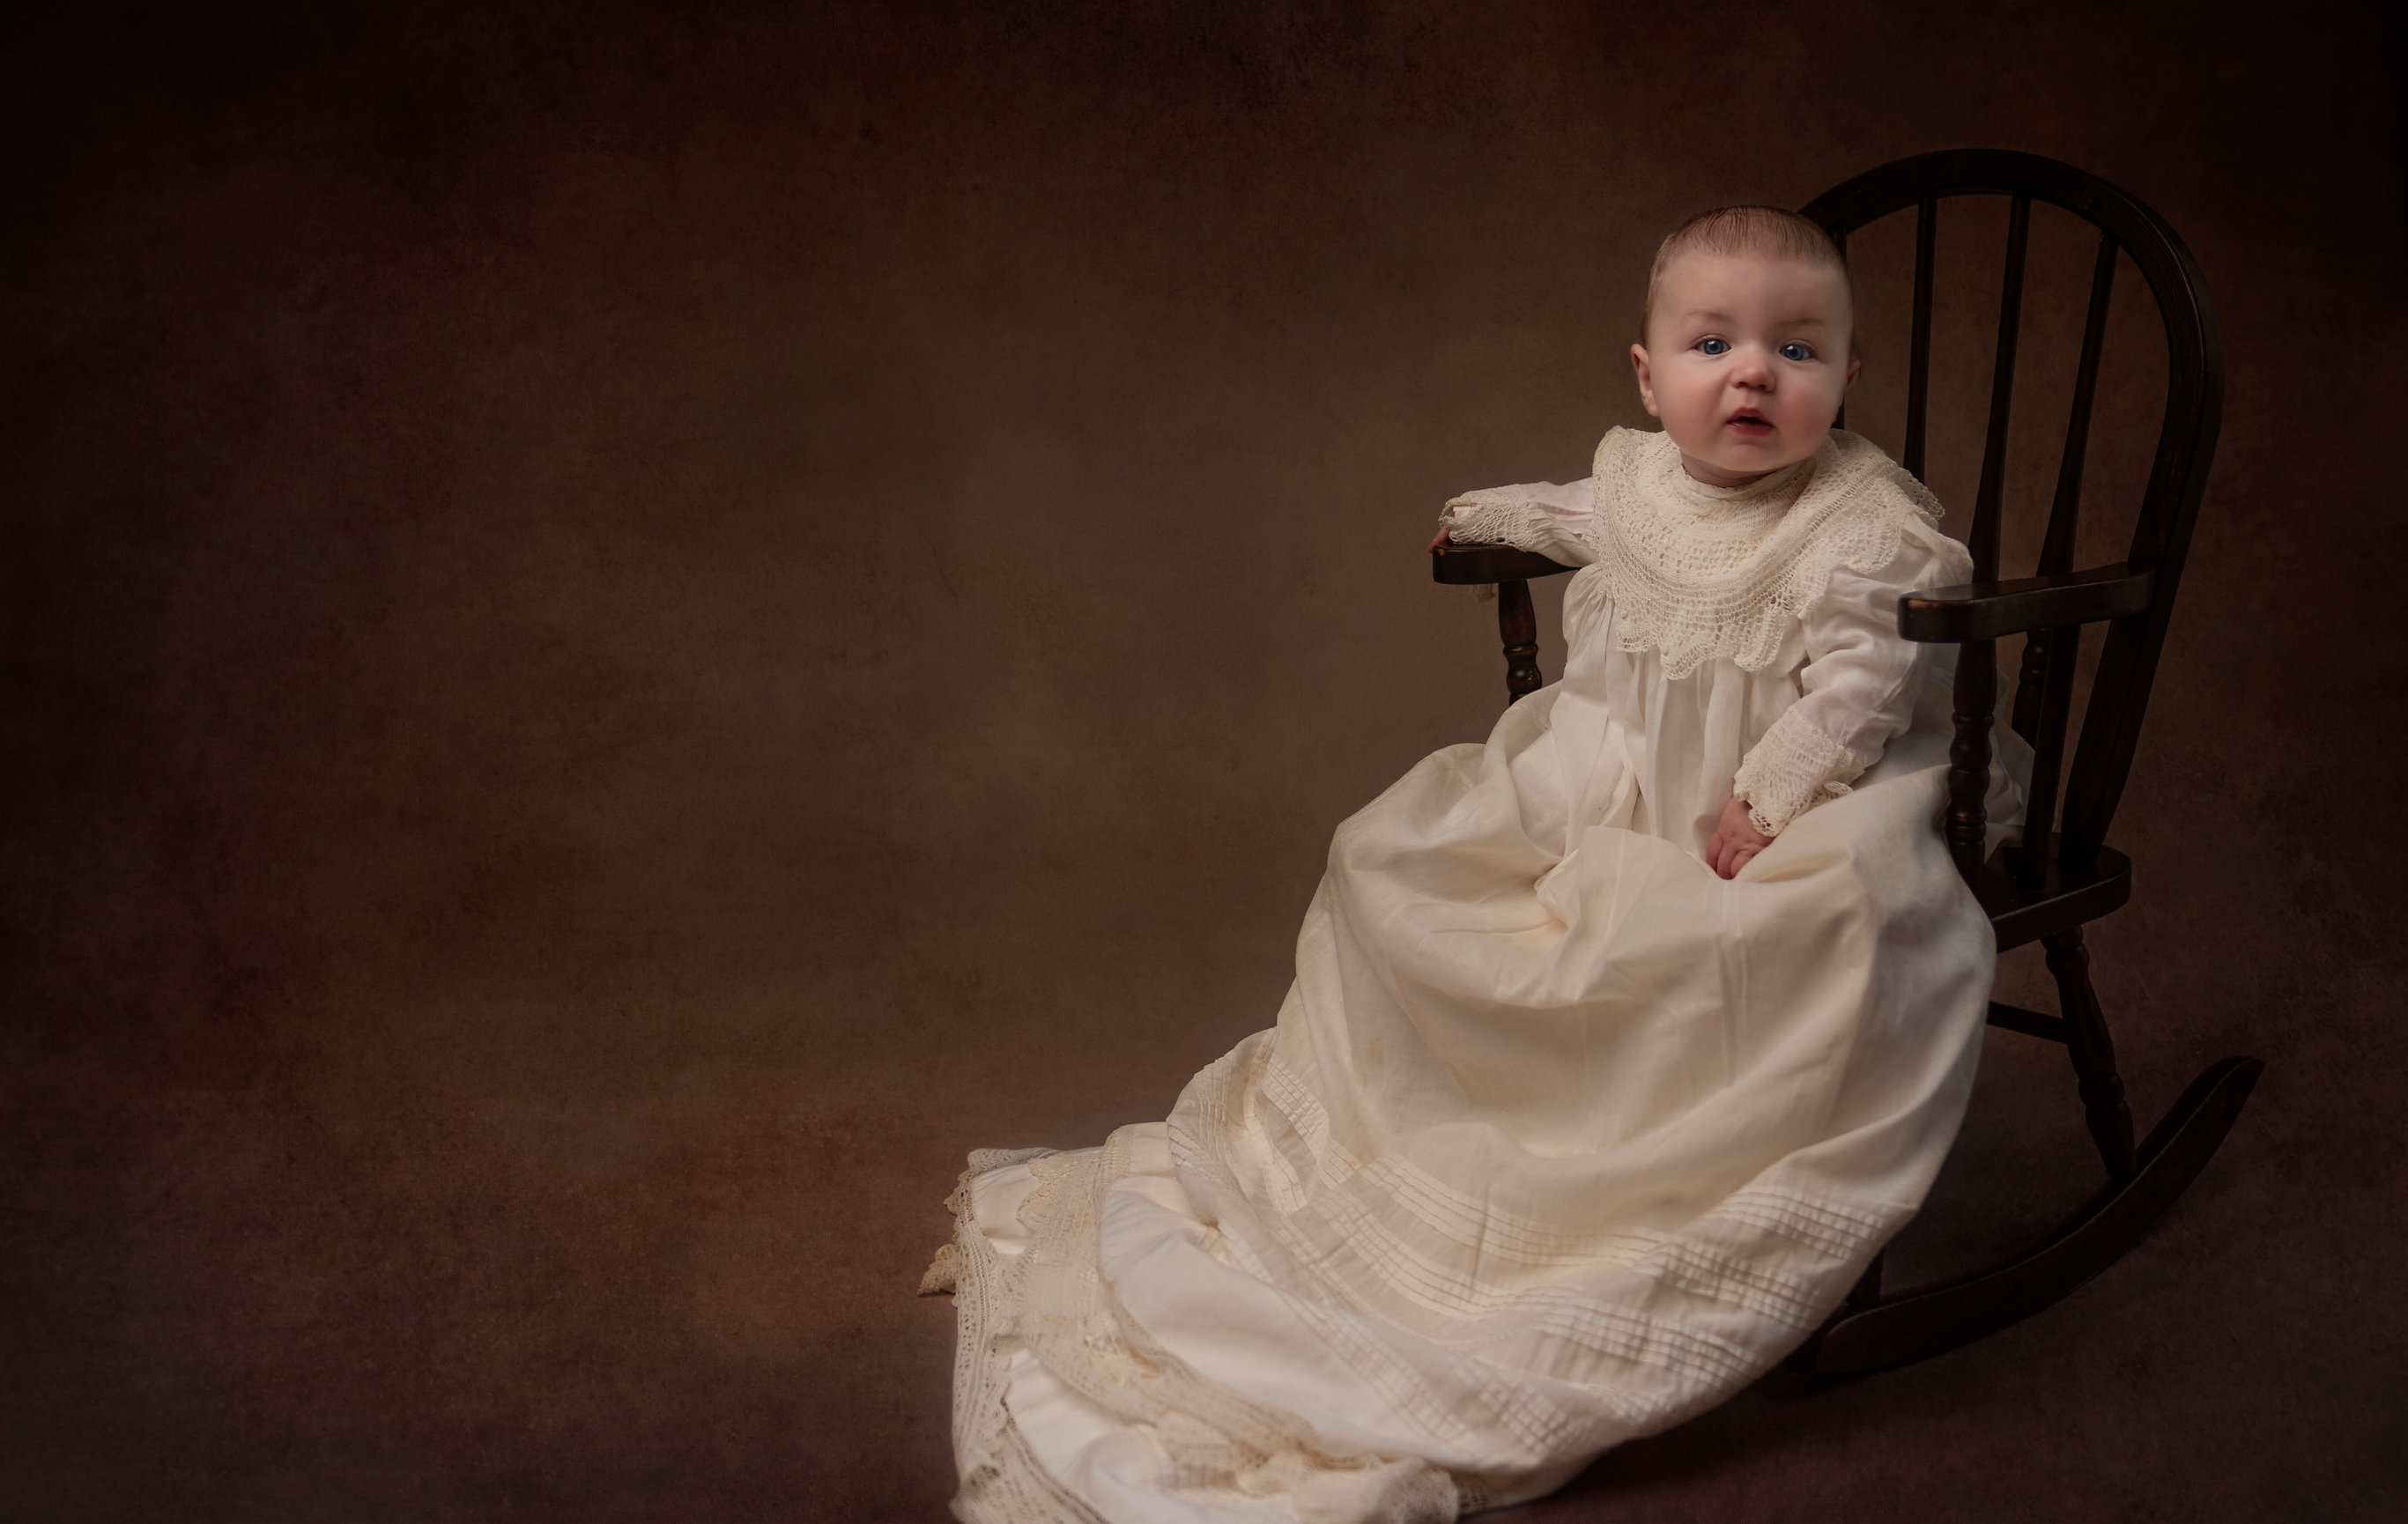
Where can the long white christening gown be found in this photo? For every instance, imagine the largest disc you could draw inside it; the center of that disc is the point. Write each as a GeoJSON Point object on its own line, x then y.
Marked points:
{"type": "Point", "coordinates": [1560, 1137]}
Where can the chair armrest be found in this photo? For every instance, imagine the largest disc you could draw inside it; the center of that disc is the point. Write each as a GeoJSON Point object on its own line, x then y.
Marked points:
{"type": "Point", "coordinates": [1987, 611]}
{"type": "Point", "coordinates": [1474, 563]}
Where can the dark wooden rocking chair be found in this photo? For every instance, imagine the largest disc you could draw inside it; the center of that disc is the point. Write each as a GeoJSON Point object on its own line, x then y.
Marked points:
{"type": "Point", "coordinates": [2061, 879]}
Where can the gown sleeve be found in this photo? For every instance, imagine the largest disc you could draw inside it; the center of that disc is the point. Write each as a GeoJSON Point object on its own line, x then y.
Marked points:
{"type": "Point", "coordinates": [1858, 688]}
{"type": "Point", "coordinates": [1535, 516]}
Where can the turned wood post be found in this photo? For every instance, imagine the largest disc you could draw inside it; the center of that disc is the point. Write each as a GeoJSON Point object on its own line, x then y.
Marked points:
{"type": "Point", "coordinates": [1969, 755]}
{"type": "Point", "coordinates": [2029, 677]}
{"type": "Point", "coordinates": [1518, 624]}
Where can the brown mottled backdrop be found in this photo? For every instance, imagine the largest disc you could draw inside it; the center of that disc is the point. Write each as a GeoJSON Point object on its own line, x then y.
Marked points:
{"type": "Point", "coordinates": [627, 628]}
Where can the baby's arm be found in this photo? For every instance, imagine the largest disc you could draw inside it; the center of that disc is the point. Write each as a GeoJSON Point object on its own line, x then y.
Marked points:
{"type": "Point", "coordinates": [1535, 516]}
{"type": "Point", "coordinates": [1858, 688]}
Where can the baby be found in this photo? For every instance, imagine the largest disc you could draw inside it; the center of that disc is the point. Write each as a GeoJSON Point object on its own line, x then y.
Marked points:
{"type": "Point", "coordinates": [1746, 349]}
{"type": "Point", "coordinates": [1560, 1137]}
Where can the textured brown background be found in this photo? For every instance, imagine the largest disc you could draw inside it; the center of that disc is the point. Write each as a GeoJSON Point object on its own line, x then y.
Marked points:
{"type": "Point", "coordinates": [629, 628]}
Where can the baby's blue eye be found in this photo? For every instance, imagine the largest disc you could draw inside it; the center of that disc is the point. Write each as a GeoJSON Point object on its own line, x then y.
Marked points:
{"type": "Point", "coordinates": [1714, 345]}
{"type": "Point", "coordinates": [1795, 351]}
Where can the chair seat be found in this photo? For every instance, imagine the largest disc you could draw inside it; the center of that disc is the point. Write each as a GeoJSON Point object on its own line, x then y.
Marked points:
{"type": "Point", "coordinates": [2064, 898]}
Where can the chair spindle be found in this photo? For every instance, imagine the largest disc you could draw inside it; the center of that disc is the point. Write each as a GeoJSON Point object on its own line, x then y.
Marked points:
{"type": "Point", "coordinates": [2044, 689]}
{"type": "Point", "coordinates": [1840, 418]}
{"type": "Point", "coordinates": [2026, 722]}
{"type": "Point", "coordinates": [1969, 754]}
{"type": "Point", "coordinates": [2057, 552]}
{"type": "Point", "coordinates": [1982, 540]}
{"type": "Point", "coordinates": [1918, 361]}
{"type": "Point", "coordinates": [1977, 661]}
{"type": "Point", "coordinates": [2063, 649]}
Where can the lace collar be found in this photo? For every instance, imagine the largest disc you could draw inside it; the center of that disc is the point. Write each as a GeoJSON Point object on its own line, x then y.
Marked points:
{"type": "Point", "coordinates": [1698, 572]}
{"type": "Point", "coordinates": [1780, 486]}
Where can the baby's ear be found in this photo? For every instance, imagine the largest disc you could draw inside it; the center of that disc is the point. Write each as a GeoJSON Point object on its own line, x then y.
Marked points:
{"type": "Point", "coordinates": [1646, 381]}
{"type": "Point", "coordinates": [1854, 366]}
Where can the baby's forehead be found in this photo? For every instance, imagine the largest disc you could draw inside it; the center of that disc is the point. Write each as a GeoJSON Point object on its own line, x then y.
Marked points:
{"type": "Point", "coordinates": [1747, 267]}
{"type": "Point", "coordinates": [1713, 282]}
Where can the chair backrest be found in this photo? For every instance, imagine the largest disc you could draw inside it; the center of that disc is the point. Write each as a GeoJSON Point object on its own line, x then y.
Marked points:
{"type": "Point", "coordinates": [2186, 444]}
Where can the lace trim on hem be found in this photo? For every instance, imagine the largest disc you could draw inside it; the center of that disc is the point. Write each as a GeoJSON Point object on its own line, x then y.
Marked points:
{"type": "Point", "coordinates": [1051, 1300]}
{"type": "Point", "coordinates": [1002, 1481]}
{"type": "Point", "coordinates": [1794, 768]}
{"type": "Point", "coordinates": [944, 1272]}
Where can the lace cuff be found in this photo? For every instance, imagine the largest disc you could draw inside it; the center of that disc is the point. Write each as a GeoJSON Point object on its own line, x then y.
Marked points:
{"type": "Point", "coordinates": [1793, 769]}
{"type": "Point", "coordinates": [1495, 516]}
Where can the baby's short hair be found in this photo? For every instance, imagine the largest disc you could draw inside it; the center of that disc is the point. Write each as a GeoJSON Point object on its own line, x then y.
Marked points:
{"type": "Point", "coordinates": [1743, 230]}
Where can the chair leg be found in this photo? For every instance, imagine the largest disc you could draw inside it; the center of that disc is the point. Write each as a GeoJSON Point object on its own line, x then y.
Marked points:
{"type": "Point", "coordinates": [2093, 1051]}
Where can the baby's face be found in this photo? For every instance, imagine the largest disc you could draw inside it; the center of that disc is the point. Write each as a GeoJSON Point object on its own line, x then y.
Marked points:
{"type": "Point", "coordinates": [1746, 360]}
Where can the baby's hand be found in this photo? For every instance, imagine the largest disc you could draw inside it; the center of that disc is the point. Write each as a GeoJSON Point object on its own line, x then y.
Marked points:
{"type": "Point", "coordinates": [1439, 542]}
{"type": "Point", "coordinates": [1735, 840]}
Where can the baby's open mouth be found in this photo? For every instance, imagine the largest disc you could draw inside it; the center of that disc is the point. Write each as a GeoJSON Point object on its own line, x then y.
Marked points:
{"type": "Point", "coordinates": [1749, 423]}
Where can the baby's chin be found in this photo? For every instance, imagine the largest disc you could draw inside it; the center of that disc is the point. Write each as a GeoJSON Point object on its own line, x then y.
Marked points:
{"type": "Point", "coordinates": [1728, 453]}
